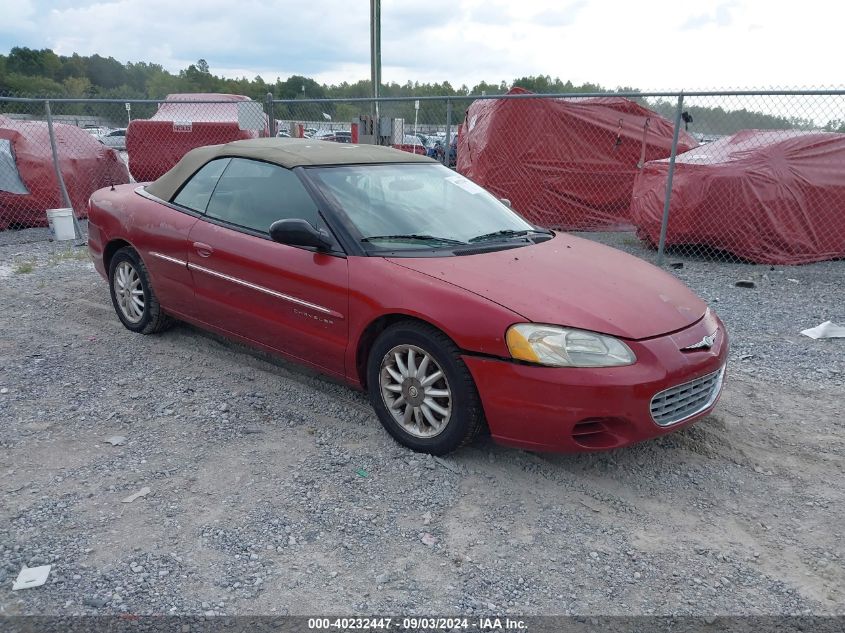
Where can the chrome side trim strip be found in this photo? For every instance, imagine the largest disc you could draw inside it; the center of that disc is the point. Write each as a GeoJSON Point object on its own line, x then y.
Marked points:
{"type": "Point", "coordinates": [272, 293]}
{"type": "Point", "coordinates": [167, 258]}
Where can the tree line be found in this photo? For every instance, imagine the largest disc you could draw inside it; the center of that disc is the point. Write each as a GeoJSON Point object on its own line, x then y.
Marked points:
{"type": "Point", "coordinates": [26, 72]}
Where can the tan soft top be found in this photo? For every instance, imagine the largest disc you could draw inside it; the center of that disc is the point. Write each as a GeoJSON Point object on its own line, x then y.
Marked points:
{"type": "Point", "coordinates": [287, 152]}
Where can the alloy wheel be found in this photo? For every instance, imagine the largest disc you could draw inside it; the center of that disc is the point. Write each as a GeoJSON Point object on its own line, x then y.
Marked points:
{"type": "Point", "coordinates": [129, 292]}
{"type": "Point", "coordinates": [415, 391]}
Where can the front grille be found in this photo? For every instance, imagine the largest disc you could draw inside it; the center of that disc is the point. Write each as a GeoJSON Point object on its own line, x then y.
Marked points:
{"type": "Point", "coordinates": [680, 402]}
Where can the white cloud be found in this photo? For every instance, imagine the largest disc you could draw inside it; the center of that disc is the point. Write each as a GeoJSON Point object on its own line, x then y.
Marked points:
{"type": "Point", "coordinates": [722, 15]}
{"type": "Point", "coordinates": [19, 18]}
{"type": "Point", "coordinates": [657, 44]}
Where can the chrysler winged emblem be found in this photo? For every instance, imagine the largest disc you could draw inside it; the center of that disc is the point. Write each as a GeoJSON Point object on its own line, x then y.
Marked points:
{"type": "Point", "coordinates": [705, 343]}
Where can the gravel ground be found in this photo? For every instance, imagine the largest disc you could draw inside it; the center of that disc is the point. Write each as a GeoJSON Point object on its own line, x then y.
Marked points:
{"type": "Point", "coordinates": [274, 491]}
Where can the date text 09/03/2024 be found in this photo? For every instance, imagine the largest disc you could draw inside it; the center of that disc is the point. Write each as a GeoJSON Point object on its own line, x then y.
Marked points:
{"type": "Point", "coordinates": [417, 623]}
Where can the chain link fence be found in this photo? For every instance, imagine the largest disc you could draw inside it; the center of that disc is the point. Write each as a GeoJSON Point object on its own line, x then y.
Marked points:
{"type": "Point", "coordinates": [55, 153]}
{"type": "Point", "coordinates": [765, 185]}
{"type": "Point", "coordinates": [755, 177]}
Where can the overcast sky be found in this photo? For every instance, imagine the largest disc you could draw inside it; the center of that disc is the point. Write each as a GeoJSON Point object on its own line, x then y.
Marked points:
{"type": "Point", "coordinates": [651, 44]}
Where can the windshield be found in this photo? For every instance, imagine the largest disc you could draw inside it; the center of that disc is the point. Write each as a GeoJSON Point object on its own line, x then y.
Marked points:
{"type": "Point", "coordinates": [415, 206]}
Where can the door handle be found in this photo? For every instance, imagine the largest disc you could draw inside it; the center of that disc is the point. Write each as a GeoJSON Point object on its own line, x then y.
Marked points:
{"type": "Point", "coordinates": [203, 250]}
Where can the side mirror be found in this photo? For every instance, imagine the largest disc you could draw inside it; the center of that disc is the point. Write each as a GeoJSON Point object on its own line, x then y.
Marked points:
{"type": "Point", "coordinates": [299, 233]}
{"type": "Point", "coordinates": [505, 202]}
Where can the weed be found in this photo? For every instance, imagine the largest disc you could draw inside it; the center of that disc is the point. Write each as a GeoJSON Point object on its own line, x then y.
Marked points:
{"type": "Point", "coordinates": [75, 254]}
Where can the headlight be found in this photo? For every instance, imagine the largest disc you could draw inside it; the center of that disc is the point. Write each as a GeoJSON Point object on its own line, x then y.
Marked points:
{"type": "Point", "coordinates": [565, 347]}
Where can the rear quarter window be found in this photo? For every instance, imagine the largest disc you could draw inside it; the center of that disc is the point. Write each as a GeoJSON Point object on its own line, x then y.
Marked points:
{"type": "Point", "coordinates": [196, 193]}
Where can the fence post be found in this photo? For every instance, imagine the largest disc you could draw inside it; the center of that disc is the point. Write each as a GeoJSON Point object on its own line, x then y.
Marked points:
{"type": "Point", "coordinates": [448, 141]}
{"type": "Point", "coordinates": [661, 247]}
{"type": "Point", "coordinates": [271, 118]}
{"type": "Point", "coordinates": [77, 229]}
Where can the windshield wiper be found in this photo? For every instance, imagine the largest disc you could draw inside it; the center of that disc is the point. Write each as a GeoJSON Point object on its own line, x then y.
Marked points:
{"type": "Point", "coordinates": [414, 237]}
{"type": "Point", "coordinates": [507, 233]}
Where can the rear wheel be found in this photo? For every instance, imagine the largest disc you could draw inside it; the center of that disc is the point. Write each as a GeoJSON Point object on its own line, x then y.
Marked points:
{"type": "Point", "coordinates": [132, 294]}
{"type": "Point", "coordinates": [421, 389]}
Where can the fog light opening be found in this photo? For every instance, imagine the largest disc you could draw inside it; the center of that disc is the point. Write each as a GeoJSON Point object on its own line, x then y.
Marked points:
{"type": "Point", "coordinates": [600, 433]}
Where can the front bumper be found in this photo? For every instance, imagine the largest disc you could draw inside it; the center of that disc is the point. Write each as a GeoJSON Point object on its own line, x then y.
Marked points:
{"type": "Point", "coordinates": [569, 409]}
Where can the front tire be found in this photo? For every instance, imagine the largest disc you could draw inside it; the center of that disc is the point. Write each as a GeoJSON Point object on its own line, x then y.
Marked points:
{"type": "Point", "coordinates": [421, 389]}
{"type": "Point", "coordinates": [132, 294]}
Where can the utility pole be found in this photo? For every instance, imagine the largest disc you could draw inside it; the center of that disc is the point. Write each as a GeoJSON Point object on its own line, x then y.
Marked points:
{"type": "Point", "coordinates": [375, 51]}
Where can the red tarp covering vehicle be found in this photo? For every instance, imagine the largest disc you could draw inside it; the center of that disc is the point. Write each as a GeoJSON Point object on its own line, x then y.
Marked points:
{"type": "Point", "coordinates": [566, 163]}
{"type": "Point", "coordinates": [178, 126]}
{"type": "Point", "coordinates": [28, 185]}
{"type": "Point", "coordinates": [767, 196]}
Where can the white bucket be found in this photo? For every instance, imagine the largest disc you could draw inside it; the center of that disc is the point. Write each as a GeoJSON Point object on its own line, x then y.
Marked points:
{"type": "Point", "coordinates": [61, 223]}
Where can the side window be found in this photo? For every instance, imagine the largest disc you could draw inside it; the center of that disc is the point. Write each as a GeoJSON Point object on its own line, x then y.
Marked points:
{"type": "Point", "coordinates": [196, 193]}
{"type": "Point", "coordinates": [253, 194]}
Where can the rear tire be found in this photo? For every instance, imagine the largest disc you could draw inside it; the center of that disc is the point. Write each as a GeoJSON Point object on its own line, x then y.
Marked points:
{"type": "Point", "coordinates": [132, 294]}
{"type": "Point", "coordinates": [421, 389]}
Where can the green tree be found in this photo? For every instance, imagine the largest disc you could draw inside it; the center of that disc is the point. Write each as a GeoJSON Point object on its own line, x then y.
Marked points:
{"type": "Point", "coordinates": [77, 87]}
{"type": "Point", "coordinates": [199, 78]}
{"type": "Point", "coordinates": [42, 73]}
{"type": "Point", "coordinates": [835, 125]}
{"type": "Point", "coordinates": [105, 72]}
{"type": "Point", "coordinates": [73, 66]}
{"type": "Point", "coordinates": [35, 63]}
{"type": "Point", "coordinates": [27, 86]}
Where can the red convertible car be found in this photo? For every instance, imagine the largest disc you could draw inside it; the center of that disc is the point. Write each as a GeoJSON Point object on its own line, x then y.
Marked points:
{"type": "Point", "coordinates": [399, 276]}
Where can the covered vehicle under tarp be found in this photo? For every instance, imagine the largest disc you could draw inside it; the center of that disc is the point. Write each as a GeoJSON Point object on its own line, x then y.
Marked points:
{"type": "Point", "coordinates": [181, 123]}
{"type": "Point", "coordinates": [28, 185]}
{"type": "Point", "coordinates": [565, 163]}
{"type": "Point", "coordinates": [767, 196]}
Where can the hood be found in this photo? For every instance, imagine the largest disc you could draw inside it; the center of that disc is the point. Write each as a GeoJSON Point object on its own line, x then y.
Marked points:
{"type": "Point", "coordinates": [573, 282]}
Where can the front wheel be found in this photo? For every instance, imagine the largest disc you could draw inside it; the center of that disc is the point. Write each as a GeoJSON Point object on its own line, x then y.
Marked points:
{"type": "Point", "coordinates": [422, 390]}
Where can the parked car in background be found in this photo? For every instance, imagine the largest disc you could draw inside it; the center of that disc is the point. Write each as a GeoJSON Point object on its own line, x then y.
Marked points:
{"type": "Point", "coordinates": [564, 163]}
{"type": "Point", "coordinates": [434, 148]}
{"type": "Point", "coordinates": [116, 139]}
{"type": "Point", "coordinates": [181, 123]}
{"type": "Point", "coordinates": [338, 136]}
{"type": "Point", "coordinates": [399, 276]}
{"type": "Point", "coordinates": [411, 143]}
{"type": "Point", "coordinates": [95, 130]}
{"type": "Point", "coordinates": [28, 183]}
{"type": "Point", "coordinates": [786, 192]}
